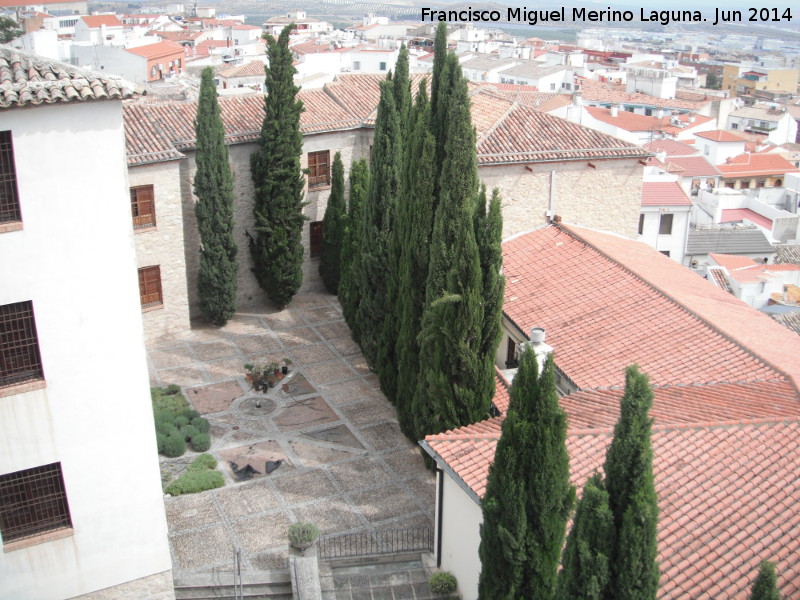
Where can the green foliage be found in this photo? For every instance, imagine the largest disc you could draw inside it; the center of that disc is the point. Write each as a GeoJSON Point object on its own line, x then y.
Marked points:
{"type": "Point", "coordinates": [202, 425]}
{"type": "Point", "coordinates": [402, 86]}
{"type": "Point", "coordinates": [172, 389]}
{"type": "Point", "coordinates": [180, 421]}
{"type": "Point", "coordinates": [189, 433]}
{"type": "Point", "coordinates": [765, 587]}
{"type": "Point", "coordinates": [201, 442]}
{"type": "Point", "coordinates": [167, 400]}
{"type": "Point", "coordinates": [175, 445]}
{"type": "Point", "coordinates": [632, 495]}
{"type": "Point", "coordinates": [301, 534]}
{"type": "Point", "coordinates": [713, 81]}
{"type": "Point", "coordinates": [372, 265]}
{"type": "Point", "coordinates": [333, 230]}
{"type": "Point", "coordinates": [189, 414]}
{"type": "Point", "coordinates": [213, 186]}
{"type": "Point", "coordinates": [198, 477]}
{"type": "Point", "coordinates": [585, 569]}
{"type": "Point", "coordinates": [528, 496]}
{"type": "Point", "coordinates": [359, 188]}
{"type": "Point", "coordinates": [439, 60]}
{"type": "Point", "coordinates": [277, 250]}
{"type": "Point", "coordinates": [161, 441]}
{"type": "Point", "coordinates": [443, 583]}
{"type": "Point", "coordinates": [9, 30]}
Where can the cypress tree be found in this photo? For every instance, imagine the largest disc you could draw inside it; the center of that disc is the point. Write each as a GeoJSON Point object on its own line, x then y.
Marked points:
{"type": "Point", "coordinates": [439, 59]}
{"type": "Point", "coordinates": [413, 231]}
{"type": "Point", "coordinates": [402, 87]}
{"type": "Point", "coordinates": [359, 187]}
{"type": "Point", "coordinates": [585, 569]}
{"type": "Point", "coordinates": [333, 229]}
{"type": "Point", "coordinates": [765, 587]}
{"type": "Point", "coordinates": [532, 454]}
{"type": "Point", "coordinates": [372, 263]}
{"type": "Point", "coordinates": [632, 495]}
{"type": "Point", "coordinates": [278, 251]}
{"type": "Point", "coordinates": [213, 186]}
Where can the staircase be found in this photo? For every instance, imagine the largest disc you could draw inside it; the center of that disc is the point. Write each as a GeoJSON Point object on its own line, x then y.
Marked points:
{"type": "Point", "coordinates": [395, 577]}
{"type": "Point", "coordinates": [256, 585]}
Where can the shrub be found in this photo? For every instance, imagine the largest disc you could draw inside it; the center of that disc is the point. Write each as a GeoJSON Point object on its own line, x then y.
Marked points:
{"type": "Point", "coordinates": [190, 414]}
{"type": "Point", "coordinates": [181, 422]}
{"type": "Point", "coordinates": [203, 462]}
{"type": "Point", "coordinates": [197, 480]}
{"type": "Point", "coordinates": [202, 425]}
{"type": "Point", "coordinates": [201, 442]}
{"type": "Point", "coordinates": [172, 389]}
{"type": "Point", "coordinates": [443, 583]}
{"type": "Point", "coordinates": [175, 445]}
{"type": "Point", "coordinates": [189, 432]}
{"type": "Point", "coordinates": [165, 427]}
{"type": "Point", "coordinates": [161, 440]}
{"type": "Point", "coordinates": [301, 534]}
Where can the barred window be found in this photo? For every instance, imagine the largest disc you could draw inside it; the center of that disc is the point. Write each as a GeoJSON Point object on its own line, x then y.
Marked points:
{"type": "Point", "coordinates": [20, 360]}
{"type": "Point", "coordinates": [33, 502]}
{"type": "Point", "coordinates": [9, 197]}
{"type": "Point", "coordinates": [319, 173]}
{"type": "Point", "coordinates": [150, 286]}
{"type": "Point", "coordinates": [143, 206]}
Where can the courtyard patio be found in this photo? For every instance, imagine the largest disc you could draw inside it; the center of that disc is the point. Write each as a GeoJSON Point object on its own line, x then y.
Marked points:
{"type": "Point", "coordinates": [346, 467]}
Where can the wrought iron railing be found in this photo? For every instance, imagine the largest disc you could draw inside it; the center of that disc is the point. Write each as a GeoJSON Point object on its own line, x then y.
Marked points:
{"type": "Point", "coordinates": [391, 541]}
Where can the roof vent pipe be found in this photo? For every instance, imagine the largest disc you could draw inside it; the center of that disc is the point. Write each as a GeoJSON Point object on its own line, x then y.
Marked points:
{"type": "Point", "coordinates": [537, 335]}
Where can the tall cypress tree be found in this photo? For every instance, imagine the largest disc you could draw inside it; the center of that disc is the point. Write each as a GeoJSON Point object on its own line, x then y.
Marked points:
{"type": "Point", "coordinates": [372, 264]}
{"type": "Point", "coordinates": [359, 187]}
{"type": "Point", "coordinates": [585, 572]}
{"type": "Point", "coordinates": [414, 228]}
{"type": "Point", "coordinates": [765, 587]}
{"type": "Point", "coordinates": [632, 495]}
{"type": "Point", "coordinates": [452, 320]}
{"type": "Point", "coordinates": [439, 59]}
{"type": "Point", "coordinates": [402, 86]}
{"type": "Point", "coordinates": [278, 250]}
{"type": "Point", "coordinates": [213, 186]}
{"type": "Point", "coordinates": [534, 457]}
{"type": "Point", "coordinates": [333, 229]}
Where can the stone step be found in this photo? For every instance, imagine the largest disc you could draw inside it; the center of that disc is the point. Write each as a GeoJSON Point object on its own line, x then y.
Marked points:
{"type": "Point", "coordinates": [267, 591]}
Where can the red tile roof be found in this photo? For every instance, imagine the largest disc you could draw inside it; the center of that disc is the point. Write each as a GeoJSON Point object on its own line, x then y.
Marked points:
{"type": "Point", "coordinates": [671, 147]}
{"type": "Point", "coordinates": [608, 302]}
{"type": "Point", "coordinates": [157, 50]}
{"type": "Point", "coordinates": [727, 495]}
{"type": "Point", "coordinates": [609, 93]}
{"type": "Point", "coordinates": [95, 21]}
{"type": "Point", "coordinates": [255, 68]}
{"type": "Point", "coordinates": [501, 389]}
{"type": "Point", "coordinates": [752, 165]}
{"type": "Point", "coordinates": [720, 135]}
{"type": "Point", "coordinates": [691, 166]}
{"type": "Point", "coordinates": [730, 215]}
{"type": "Point", "coordinates": [625, 120]}
{"type": "Point", "coordinates": [744, 269]}
{"type": "Point", "coordinates": [666, 193]}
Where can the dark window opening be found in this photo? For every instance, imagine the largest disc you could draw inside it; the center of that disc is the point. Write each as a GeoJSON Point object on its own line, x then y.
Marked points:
{"type": "Point", "coordinates": [664, 252]}
{"type": "Point", "coordinates": [511, 355]}
{"type": "Point", "coordinates": [316, 237]}
{"type": "Point", "coordinates": [150, 286]}
{"type": "Point", "coordinates": [665, 225]}
{"type": "Point", "coordinates": [319, 168]}
{"type": "Point", "coordinates": [143, 206]}
{"type": "Point", "coordinates": [20, 360]}
{"type": "Point", "coordinates": [9, 196]}
{"type": "Point", "coordinates": [33, 502]}
{"type": "Point", "coordinates": [641, 223]}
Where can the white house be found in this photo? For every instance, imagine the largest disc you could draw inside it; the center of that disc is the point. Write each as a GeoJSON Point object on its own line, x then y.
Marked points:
{"type": "Point", "coordinates": [755, 282]}
{"type": "Point", "coordinates": [719, 145]}
{"type": "Point", "coordinates": [81, 508]}
{"type": "Point", "coordinates": [664, 220]}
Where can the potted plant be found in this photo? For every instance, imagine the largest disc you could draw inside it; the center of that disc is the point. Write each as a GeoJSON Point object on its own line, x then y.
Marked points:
{"type": "Point", "coordinates": [443, 584]}
{"type": "Point", "coordinates": [259, 377]}
{"type": "Point", "coordinates": [285, 367]}
{"type": "Point", "coordinates": [302, 535]}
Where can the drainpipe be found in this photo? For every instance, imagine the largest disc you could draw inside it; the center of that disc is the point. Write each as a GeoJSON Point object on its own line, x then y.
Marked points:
{"type": "Point", "coordinates": [551, 208]}
{"type": "Point", "coordinates": [439, 496]}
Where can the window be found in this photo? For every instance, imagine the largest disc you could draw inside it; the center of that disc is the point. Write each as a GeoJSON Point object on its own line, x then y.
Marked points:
{"type": "Point", "coordinates": [760, 183]}
{"type": "Point", "coordinates": [9, 198]}
{"type": "Point", "coordinates": [143, 206]}
{"type": "Point", "coordinates": [512, 361]}
{"type": "Point", "coordinates": [316, 237]}
{"type": "Point", "coordinates": [319, 168]}
{"type": "Point", "coordinates": [382, 66]}
{"type": "Point", "coordinates": [20, 360]}
{"type": "Point", "coordinates": [734, 126]}
{"type": "Point", "coordinates": [150, 286]}
{"type": "Point", "coordinates": [664, 252]}
{"type": "Point", "coordinates": [641, 223]}
{"type": "Point", "coordinates": [33, 502]}
{"type": "Point", "coordinates": [665, 225]}
{"type": "Point", "coordinates": [356, 65]}
{"type": "Point", "coordinates": [552, 86]}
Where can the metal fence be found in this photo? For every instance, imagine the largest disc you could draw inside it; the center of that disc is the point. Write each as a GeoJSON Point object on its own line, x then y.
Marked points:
{"type": "Point", "coordinates": [390, 541]}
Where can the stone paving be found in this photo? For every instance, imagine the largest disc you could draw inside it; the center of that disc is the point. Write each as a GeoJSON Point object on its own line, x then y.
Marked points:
{"type": "Point", "coordinates": [346, 465]}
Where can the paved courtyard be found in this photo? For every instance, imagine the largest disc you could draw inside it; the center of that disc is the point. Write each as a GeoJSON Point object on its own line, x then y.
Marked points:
{"type": "Point", "coordinates": [346, 465]}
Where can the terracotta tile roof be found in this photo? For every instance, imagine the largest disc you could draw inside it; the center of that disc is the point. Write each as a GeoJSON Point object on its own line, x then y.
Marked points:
{"type": "Point", "coordinates": [727, 493]}
{"type": "Point", "coordinates": [625, 120]}
{"type": "Point", "coordinates": [720, 135]}
{"type": "Point", "coordinates": [719, 277]}
{"type": "Point", "coordinates": [746, 327]}
{"type": "Point", "coordinates": [790, 320]}
{"type": "Point", "coordinates": [751, 165]}
{"type": "Point", "coordinates": [730, 215]}
{"type": "Point", "coordinates": [27, 80]}
{"type": "Point", "coordinates": [744, 269]}
{"type": "Point", "coordinates": [664, 193]}
{"type": "Point", "coordinates": [687, 123]}
{"type": "Point", "coordinates": [501, 389]}
{"type": "Point", "coordinates": [95, 21]}
{"type": "Point", "coordinates": [692, 166]}
{"type": "Point", "coordinates": [177, 36]}
{"type": "Point", "coordinates": [14, 3]}
{"type": "Point", "coordinates": [609, 93]}
{"type": "Point", "coordinates": [787, 254]}
{"type": "Point", "coordinates": [157, 50]}
{"type": "Point", "coordinates": [601, 297]}
{"type": "Point", "coordinates": [671, 147]}
{"type": "Point", "coordinates": [254, 68]}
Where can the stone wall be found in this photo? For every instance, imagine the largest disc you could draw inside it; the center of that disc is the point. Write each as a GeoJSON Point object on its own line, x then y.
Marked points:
{"type": "Point", "coordinates": [163, 245]}
{"type": "Point", "coordinates": [154, 587]}
{"type": "Point", "coordinates": [607, 197]}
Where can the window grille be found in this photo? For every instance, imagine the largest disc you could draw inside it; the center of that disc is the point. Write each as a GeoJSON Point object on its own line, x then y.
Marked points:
{"type": "Point", "coordinates": [150, 286]}
{"type": "Point", "coordinates": [9, 197]}
{"type": "Point", "coordinates": [20, 360]}
{"type": "Point", "coordinates": [319, 168]}
{"type": "Point", "coordinates": [33, 502]}
{"type": "Point", "coordinates": [143, 206]}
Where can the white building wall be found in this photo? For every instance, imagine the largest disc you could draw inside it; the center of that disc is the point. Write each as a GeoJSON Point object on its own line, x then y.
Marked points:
{"type": "Point", "coordinates": [111, 60]}
{"type": "Point", "coordinates": [461, 537]}
{"type": "Point", "coordinates": [74, 260]}
{"type": "Point", "coordinates": [674, 243]}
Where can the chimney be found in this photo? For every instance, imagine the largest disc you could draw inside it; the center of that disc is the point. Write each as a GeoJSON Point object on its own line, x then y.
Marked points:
{"type": "Point", "coordinates": [538, 346]}
{"type": "Point", "coordinates": [577, 98]}
{"type": "Point", "coordinates": [614, 110]}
